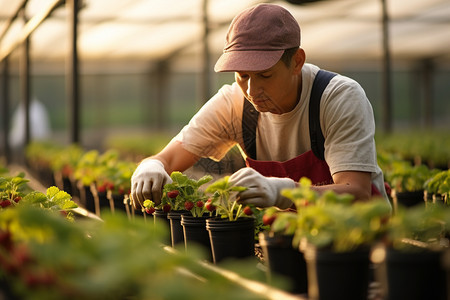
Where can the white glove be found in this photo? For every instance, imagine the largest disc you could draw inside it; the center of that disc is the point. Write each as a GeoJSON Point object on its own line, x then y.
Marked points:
{"type": "Point", "coordinates": [148, 181]}
{"type": "Point", "coordinates": [262, 191]}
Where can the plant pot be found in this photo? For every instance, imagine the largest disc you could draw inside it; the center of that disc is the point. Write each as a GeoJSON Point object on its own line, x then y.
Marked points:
{"type": "Point", "coordinates": [195, 233]}
{"type": "Point", "coordinates": [282, 259]}
{"type": "Point", "coordinates": [87, 198]}
{"type": "Point", "coordinates": [337, 275]}
{"type": "Point", "coordinates": [415, 275]}
{"type": "Point", "coordinates": [231, 239]}
{"type": "Point", "coordinates": [160, 219]}
{"type": "Point", "coordinates": [176, 230]}
{"type": "Point", "coordinates": [408, 199]}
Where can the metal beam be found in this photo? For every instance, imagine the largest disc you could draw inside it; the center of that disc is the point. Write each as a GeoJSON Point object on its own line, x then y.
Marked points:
{"type": "Point", "coordinates": [5, 109]}
{"type": "Point", "coordinates": [72, 75]}
{"type": "Point", "coordinates": [31, 26]}
{"type": "Point", "coordinates": [387, 87]}
{"type": "Point", "coordinates": [206, 74]}
{"type": "Point", "coordinates": [25, 84]}
{"type": "Point", "coordinates": [12, 18]}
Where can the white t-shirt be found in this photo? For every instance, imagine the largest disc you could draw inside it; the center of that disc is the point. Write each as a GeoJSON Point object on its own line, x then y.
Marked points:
{"type": "Point", "coordinates": [346, 119]}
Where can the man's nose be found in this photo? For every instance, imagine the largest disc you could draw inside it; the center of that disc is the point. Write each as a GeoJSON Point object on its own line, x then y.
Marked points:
{"type": "Point", "coordinates": [252, 87]}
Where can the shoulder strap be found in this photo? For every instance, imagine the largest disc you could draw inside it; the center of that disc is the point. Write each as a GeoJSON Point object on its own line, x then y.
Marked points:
{"type": "Point", "coordinates": [249, 122]}
{"type": "Point", "coordinates": [250, 118]}
{"type": "Point", "coordinates": [315, 132]}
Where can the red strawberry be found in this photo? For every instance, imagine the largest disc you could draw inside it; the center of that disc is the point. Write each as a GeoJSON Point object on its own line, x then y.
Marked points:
{"type": "Point", "coordinates": [109, 186]}
{"type": "Point", "coordinates": [173, 194]}
{"type": "Point", "coordinates": [6, 239]}
{"type": "Point", "coordinates": [268, 220]}
{"type": "Point", "coordinates": [17, 199]}
{"type": "Point", "coordinates": [188, 205]}
{"type": "Point", "coordinates": [150, 210]}
{"type": "Point", "coordinates": [66, 171]}
{"type": "Point", "coordinates": [248, 211]}
{"type": "Point", "coordinates": [101, 188]}
{"type": "Point", "coordinates": [199, 203]}
{"type": "Point", "coordinates": [5, 203]}
{"type": "Point", "coordinates": [166, 207]}
{"type": "Point", "coordinates": [121, 190]}
{"type": "Point", "coordinates": [209, 205]}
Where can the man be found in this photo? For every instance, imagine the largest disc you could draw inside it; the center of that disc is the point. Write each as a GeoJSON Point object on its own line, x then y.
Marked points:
{"type": "Point", "coordinates": [263, 49]}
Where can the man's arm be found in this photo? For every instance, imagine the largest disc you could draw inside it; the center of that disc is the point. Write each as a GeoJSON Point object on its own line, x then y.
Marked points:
{"type": "Point", "coordinates": [356, 183]}
{"type": "Point", "coordinates": [176, 158]}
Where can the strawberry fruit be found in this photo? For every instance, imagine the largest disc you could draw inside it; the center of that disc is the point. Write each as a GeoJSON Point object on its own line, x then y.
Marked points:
{"type": "Point", "coordinates": [248, 211]}
{"type": "Point", "coordinates": [173, 194]}
{"type": "Point", "coordinates": [150, 210]}
{"type": "Point", "coordinates": [268, 220]}
{"type": "Point", "coordinates": [188, 205]}
{"type": "Point", "coordinates": [167, 208]}
{"type": "Point", "coordinates": [210, 206]}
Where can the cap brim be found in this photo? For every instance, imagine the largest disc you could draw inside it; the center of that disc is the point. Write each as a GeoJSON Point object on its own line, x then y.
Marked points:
{"type": "Point", "coordinates": [234, 61]}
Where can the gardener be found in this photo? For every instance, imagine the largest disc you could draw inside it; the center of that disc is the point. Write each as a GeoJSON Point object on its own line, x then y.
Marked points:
{"type": "Point", "coordinates": [266, 111]}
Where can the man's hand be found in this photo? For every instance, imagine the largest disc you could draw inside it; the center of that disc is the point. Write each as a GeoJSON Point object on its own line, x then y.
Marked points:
{"type": "Point", "coordinates": [148, 181]}
{"type": "Point", "coordinates": [262, 191]}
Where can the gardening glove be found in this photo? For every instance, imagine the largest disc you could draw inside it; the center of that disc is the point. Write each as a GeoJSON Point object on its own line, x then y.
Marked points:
{"type": "Point", "coordinates": [262, 191]}
{"type": "Point", "coordinates": [148, 181]}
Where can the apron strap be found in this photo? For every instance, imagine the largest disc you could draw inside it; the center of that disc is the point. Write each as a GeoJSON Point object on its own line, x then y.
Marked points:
{"type": "Point", "coordinates": [249, 123]}
{"type": "Point", "coordinates": [315, 132]}
{"type": "Point", "coordinates": [250, 118]}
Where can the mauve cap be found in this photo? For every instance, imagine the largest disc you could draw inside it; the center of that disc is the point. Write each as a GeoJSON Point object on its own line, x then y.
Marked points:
{"type": "Point", "coordinates": [257, 38]}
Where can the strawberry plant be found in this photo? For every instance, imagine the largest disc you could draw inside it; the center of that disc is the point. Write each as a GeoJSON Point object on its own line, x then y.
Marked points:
{"type": "Point", "coordinates": [331, 220]}
{"type": "Point", "coordinates": [439, 184]}
{"type": "Point", "coordinates": [404, 177]}
{"type": "Point", "coordinates": [424, 225]}
{"type": "Point", "coordinates": [12, 189]}
{"type": "Point", "coordinates": [185, 193]}
{"type": "Point", "coordinates": [42, 256]}
{"type": "Point", "coordinates": [225, 199]}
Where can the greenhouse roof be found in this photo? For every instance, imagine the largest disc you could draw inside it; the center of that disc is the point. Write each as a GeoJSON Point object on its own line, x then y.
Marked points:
{"type": "Point", "coordinates": [151, 30]}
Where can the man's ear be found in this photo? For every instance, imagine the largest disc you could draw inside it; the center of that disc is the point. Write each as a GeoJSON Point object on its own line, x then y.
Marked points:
{"type": "Point", "coordinates": [298, 60]}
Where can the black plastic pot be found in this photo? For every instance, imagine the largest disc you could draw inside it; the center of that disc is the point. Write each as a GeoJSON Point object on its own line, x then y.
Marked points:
{"type": "Point", "coordinates": [87, 198]}
{"type": "Point", "coordinates": [176, 230]}
{"type": "Point", "coordinates": [409, 199]}
{"type": "Point", "coordinates": [282, 259]}
{"type": "Point", "coordinates": [231, 239]}
{"type": "Point", "coordinates": [338, 275]}
{"type": "Point", "coordinates": [195, 233]}
{"type": "Point", "coordinates": [415, 275]}
{"type": "Point", "coordinates": [160, 219]}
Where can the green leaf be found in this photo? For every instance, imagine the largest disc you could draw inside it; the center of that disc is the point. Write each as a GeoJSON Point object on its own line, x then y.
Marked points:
{"type": "Point", "coordinates": [35, 197]}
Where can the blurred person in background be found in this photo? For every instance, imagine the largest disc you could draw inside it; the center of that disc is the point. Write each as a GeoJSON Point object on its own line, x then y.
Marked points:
{"type": "Point", "coordinates": [285, 128]}
{"type": "Point", "coordinates": [39, 124]}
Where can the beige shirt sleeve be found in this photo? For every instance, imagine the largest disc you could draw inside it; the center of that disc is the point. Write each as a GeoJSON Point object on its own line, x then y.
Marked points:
{"type": "Point", "coordinates": [217, 126]}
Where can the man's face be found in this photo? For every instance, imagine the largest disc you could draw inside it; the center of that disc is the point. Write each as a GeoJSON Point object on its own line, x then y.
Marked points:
{"type": "Point", "coordinates": [273, 90]}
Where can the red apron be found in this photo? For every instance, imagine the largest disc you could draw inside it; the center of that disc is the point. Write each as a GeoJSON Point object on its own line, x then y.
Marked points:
{"type": "Point", "coordinates": [304, 165]}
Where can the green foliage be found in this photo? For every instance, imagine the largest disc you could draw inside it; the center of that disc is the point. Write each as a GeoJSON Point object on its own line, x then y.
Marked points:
{"type": "Point", "coordinates": [423, 225]}
{"type": "Point", "coordinates": [14, 192]}
{"type": "Point", "coordinates": [224, 197]}
{"type": "Point", "coordinates": [439, 184]}
{"type": "Point", "coordinates": [85, 169]}
{"type": "Point", "coordinates": [431, 148]}
{"type": "Point", "coordinates": [13, 186]}
{"type": "Point", "coordinates": [66, 159]}
{"type": "Point", "coordinates": [404, 177]}
{"type": "Point", "coordinates": [46, 257]}
{"type": "Point", "coordinates": [188, 191]}
{"type": "Point", "coordinates": [331, 220]}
